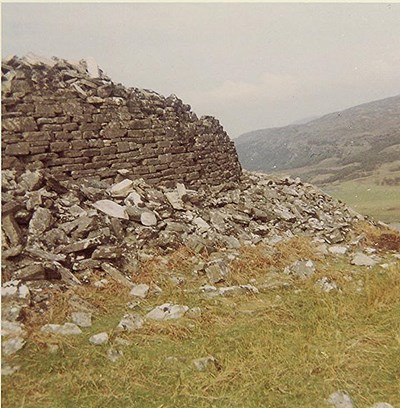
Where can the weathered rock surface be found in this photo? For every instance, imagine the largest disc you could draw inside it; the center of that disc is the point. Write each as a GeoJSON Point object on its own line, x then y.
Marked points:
{"type": "Point", "coordinates": [301, 269]}
{"type": "Point", "coordinates": [67, 329]}
{"type": "Point", "coordinates": [82, 319]}
{"type": "Point", "coordinates": [130, 322]}
{"type": "Point", "coordinates": [340, 399]}
{"type": "Point", "coordinates": [361, 259]}
{"type": "Point", "coordinates": [167, 311]}
{"type": "Point", "coordinates": [99, 339]}
{"type": "Point", "coordinates": [140, 290]}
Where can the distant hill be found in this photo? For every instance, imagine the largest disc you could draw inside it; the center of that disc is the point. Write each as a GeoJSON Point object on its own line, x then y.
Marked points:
{"type": "Point", "coordinates": [345, 145]}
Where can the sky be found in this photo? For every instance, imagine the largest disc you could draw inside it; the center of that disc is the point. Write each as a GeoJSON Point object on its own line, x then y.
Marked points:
{"type": "Point", "coordinates": [251, 65]}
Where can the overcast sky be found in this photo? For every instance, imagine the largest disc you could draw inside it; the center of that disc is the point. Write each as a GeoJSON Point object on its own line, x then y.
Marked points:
{"type": "Point", "coordinates": [251, 65]}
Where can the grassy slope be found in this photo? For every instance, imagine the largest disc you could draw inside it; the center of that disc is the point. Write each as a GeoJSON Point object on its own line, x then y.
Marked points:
{"type": "Point", "coordinates": [283, 348]}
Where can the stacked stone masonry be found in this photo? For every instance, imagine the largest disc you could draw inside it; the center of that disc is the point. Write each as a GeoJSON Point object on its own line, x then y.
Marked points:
{"type": "Point", "coordinates": [58, 117]}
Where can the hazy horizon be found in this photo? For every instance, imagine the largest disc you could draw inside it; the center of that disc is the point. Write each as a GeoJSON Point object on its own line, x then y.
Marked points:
{"type": "Point", "coordinates": [251, 65]}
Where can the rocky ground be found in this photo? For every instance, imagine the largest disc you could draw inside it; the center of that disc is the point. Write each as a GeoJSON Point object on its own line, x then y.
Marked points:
{"type": "Point", "coordinates": [68, 238]}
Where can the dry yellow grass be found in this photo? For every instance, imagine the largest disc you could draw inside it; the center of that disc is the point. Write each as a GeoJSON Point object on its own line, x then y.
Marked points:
{"type": "Point", "coordinates": [382, 238]}
{"type": "Point", "coordinates": [283, 348]}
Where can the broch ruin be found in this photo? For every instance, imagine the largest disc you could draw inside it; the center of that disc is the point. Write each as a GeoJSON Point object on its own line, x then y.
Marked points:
{"type": "Point", "coordinates": [96, 176]}
{"type": "Point", "coordinates": [75, 122]}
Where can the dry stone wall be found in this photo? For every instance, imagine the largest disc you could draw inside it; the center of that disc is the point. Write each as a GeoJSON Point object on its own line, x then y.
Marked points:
{"type": "Point", "coordinates": [74, 121]}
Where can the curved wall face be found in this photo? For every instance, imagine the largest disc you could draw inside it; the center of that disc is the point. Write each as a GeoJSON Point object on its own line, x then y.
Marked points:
{"type": "Point", "coordinates": [56, 116]}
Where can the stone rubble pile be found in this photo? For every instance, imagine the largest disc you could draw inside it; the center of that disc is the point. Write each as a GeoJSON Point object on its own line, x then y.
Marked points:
{"type": "Point", "coordinates": [58, 230]}
{"type": "Point", "coordinates": [70, 118]}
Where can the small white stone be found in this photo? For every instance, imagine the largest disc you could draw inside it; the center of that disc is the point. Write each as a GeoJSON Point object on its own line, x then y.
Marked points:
{"type": "Point", "coordinates": [99, 339]}
{"type": "Point", "coordinates": [8, 370]}
{"type": "Point", "coordinates": [113, 355]}
{"type": "Point", "coordinates": [326, 285]}
{"type": "Point", "coordinates": [337, 249]}
{"type": "Point", "coordinates": [23, 292]}
{"type": "Point", "coordinates": [148, 218]}
{"type": "Point", "coordinates": [130, 322]}
{"type": "Point", "coordinates": [361, 259]}
{"type": "Point", "coordinates": [9, 291]}
{"type": "Point", "coordinates": [101, 283]}
{"type": "Point", "coordinates": [141, 290]}
{"type": "Point", "coordinates": [11, 328]}
{"type": "Point", "coordinates": [201, 224]}
{"type": "Point", "coordinates": [201, 364]}
{"type": "Point", "coordinates": [133, 198]}
{"type": "Point", "coordinates": [340, 400]}
{"type": "Point", "coordinates": [67, 329]}
{"type": "Point", "coordinates": [122, 342]}
{"type": "Point", "coordinates": [171, 360]}
{"type": "Point", "coordinates": [167, 311]}
{"type": "Point", "coordinates": [82, 319]}
{"type": "Point", "coordinates": [12, 345]}
{"type": "Point", "coordinates": [53, 348]}
{"type": "Point", "coordinates": [121, 189]}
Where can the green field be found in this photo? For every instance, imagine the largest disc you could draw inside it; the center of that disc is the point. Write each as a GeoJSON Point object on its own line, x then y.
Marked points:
{"type": "Point", "coordinates": [367, 198]}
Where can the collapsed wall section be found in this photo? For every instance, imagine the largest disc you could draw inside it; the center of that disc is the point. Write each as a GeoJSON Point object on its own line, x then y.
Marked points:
{"type": "Point", "coordinates": [57, 116]}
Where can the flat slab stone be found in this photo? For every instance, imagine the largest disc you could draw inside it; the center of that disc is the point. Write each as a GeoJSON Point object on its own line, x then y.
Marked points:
{"type": "Point", "coordinates": [12, 345]}
{"type": "Point", "coordinates": [111, 208]}
{"type": "Point", "coordinates": [201, 224]}
{"type": "Point", "coordinates": [175, 200]}
{"type": "Point", "coordinates": [121, 189]}
{"type": "Point", "coordinates": [361, 259]}
{"type": "Point", "coordinates": [116, 274]}
{"type": "Point", "coordinates": [82, 319]}
{"type": "Point", "coordinates": [40, 221]}
{"type": "Point", "coordinates": [11, 328]}
{"type": "Point", "coordinates": [301, 269]}
{"type": "Point", "coordinates": [141, 290]}
{"type": "Point", "coordinates": [337, 249]}
{"type": "Point", "coordinates": [130, 322]}
{"type": "Point", "coordinates": [167, 311]}
{"type": "Point", "coordinates": [340, 399]}
{"type": "Point", "coordinates": [99, 339]}
{"type": "Point", "coordinates": [92, 67]}
{"type": "Point", "coordinates": [148, 218]}
{"type": "Point", "coordinates": [67, 329]}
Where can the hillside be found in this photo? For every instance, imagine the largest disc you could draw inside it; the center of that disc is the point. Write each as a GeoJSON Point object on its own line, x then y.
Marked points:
{"type": "Point", "coordinates": [345, 145]}
{"type": "Point", "coordinates": [141, 267]}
